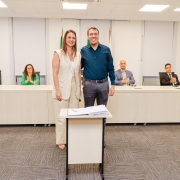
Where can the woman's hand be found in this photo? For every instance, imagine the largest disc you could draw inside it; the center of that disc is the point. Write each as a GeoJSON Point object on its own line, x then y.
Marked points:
{"type": "Point", "coordinates": [27, 78]}
{"type": "Point", "coordinates": [58, 95]}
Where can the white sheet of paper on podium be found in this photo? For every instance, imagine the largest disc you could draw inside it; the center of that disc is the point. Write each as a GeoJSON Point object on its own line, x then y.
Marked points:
{"type": "Point", "coordinates": [93, 110]}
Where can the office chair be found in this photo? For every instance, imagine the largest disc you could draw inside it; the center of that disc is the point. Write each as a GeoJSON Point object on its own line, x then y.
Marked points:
{"type": "Point", "coordinates": [160, 74]}
{"type": "Point", "coordinates": [38, 73]}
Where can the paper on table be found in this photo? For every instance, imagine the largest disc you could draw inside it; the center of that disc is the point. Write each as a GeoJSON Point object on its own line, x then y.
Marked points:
{"type": "Point", "coordinates": [77, 111]}
{"type": "Point", "coordinates": [97, 110]}
{"type": "Point", "coordinates": [93, 110]}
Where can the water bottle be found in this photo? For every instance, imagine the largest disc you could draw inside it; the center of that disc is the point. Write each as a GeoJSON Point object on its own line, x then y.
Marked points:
{"type": "Point", "coordinates": [35, 82]}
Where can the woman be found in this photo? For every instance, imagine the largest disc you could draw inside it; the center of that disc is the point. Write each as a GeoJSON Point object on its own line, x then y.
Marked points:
{"type": "Point", "coordinates": [67, 77]}
{"type": "Point", "coordinates": [29, 77]}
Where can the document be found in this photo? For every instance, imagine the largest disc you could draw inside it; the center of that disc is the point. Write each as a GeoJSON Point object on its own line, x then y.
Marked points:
{"type": "Point", "coordinates": [92, 111]}
{"type": "Point", "coordinates": [77, 111]}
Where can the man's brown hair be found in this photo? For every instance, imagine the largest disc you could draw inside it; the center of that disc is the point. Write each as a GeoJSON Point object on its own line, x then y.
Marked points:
{"type": "Point", "coordinates": [92, 28]}
{"type": "Point", "coordinates": [168, 64]}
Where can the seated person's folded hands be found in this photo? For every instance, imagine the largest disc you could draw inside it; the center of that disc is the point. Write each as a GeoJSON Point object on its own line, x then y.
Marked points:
{"type": "Point", "coordinates": [173, 80]}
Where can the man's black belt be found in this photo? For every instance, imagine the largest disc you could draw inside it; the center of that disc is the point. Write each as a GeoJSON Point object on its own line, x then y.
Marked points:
{"type": "Point", "coordinates": [97, 81]}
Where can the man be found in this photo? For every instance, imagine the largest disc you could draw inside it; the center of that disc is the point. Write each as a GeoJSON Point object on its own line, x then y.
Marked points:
{"type": "Point", "coordinates": [169, 78]}
{"type": "Point", "coordinates": [97, 63]}
{"type": "Point", "coordinates": [123, 76]}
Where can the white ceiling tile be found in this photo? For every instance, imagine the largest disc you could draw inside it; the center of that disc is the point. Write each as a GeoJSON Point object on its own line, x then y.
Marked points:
{"type": "Point", "coordinates": [5, 11]}
{"type": "Point", "coordinates": [127, 7]}
{"type": "Point", "coordinates": [50, 11]}
{"type": "Point", "coordinates": [26, 11]}
{"type": "Point", "coordinates": [167, 15]}
{"type": "Point", "coordinates": [74, 12]}
{"type": "Point", "coordinates": [143, 15]}
{"type": "Point", "coordinates": [122, 13]}
{"type": "Point", "coordinates": [111, 1]}
{"type": "Point", "coordinates": [19, 3]}
{"type": "Point", "coordinates": [106, 9]}
{"type": "Point", "coordinates": [96, 13]}
{"type": "Point", "coordinates": [148, 1]}
{"type": "Point", "coordinates": [121, 17]}
{"type": "Point", "coordinates": [100, 6]}
{"type": "Point", "coordinates": [45, 0]}
{"type": "Point", "coordinates": [46, 4]}
{"type": "Point", "coordinates": [177, 18]}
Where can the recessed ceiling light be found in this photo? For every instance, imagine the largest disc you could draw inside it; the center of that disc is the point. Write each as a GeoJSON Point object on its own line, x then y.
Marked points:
{"type": "Point", "coordinates": [177, 9]}
{"type": "Point", "coordinates": [74, 6]}
{"type": "Point", "coordinates": [153, 8]}
{"type": "Point", "coordinates": [2, 5]}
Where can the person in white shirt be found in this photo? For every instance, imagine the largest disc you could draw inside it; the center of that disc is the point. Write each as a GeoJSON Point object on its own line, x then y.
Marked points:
{"type": "Point", "coordinates": [66, 65]}
{"type": "Point", "coordinates": [123, 76]}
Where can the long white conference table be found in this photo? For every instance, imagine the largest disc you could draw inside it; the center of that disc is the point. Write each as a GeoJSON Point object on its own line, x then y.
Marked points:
{"type": "Point", "coordinates": [142, 104]}
{"type": "Point", "coordinates": [26, 104]}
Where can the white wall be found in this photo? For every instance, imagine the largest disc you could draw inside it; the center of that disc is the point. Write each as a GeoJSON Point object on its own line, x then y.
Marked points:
{"type": "Point", "coordinates": [126, 44]}
{"type": "Point", "coordinates": [176, 63]}
{"type": "Point", "coordinates": [53, 35]}
{"type": "Point", "coordinates": [29, 44]}
{"type": "Point", "coordinates": [158, 47]}
{"type": "Point", "coordinates": [6, 52]}
{"type": "Point", "coordinates": [103, 27]}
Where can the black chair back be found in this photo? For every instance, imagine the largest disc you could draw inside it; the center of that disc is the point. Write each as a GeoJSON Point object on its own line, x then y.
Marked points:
{"type": "Point", "coordinates": [160, 75]}
{"type": "Point", "coordinates": [38, 73]}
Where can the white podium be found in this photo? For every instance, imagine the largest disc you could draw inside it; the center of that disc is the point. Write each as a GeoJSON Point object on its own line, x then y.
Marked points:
{"type": "Point", "coordinates": [84, 139]}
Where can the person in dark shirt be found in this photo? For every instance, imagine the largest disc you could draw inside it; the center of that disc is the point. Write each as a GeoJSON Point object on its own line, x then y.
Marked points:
{"type": "Point", "coordinates": [169, 78]}
{"type": "Point", "coordinates": [97, 61]}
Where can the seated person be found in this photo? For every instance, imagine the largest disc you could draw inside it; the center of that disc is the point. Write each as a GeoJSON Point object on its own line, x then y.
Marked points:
{"type": "Point", "coordinates": [29, 77]}
{"type": "Point", "coordinates": [123, 76]}
{"type": "Point", "coordinates": [168, 78]}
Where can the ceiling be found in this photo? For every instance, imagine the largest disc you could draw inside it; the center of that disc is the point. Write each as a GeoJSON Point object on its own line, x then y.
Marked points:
{"type": "Point", "coordinates": [106, 9]}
